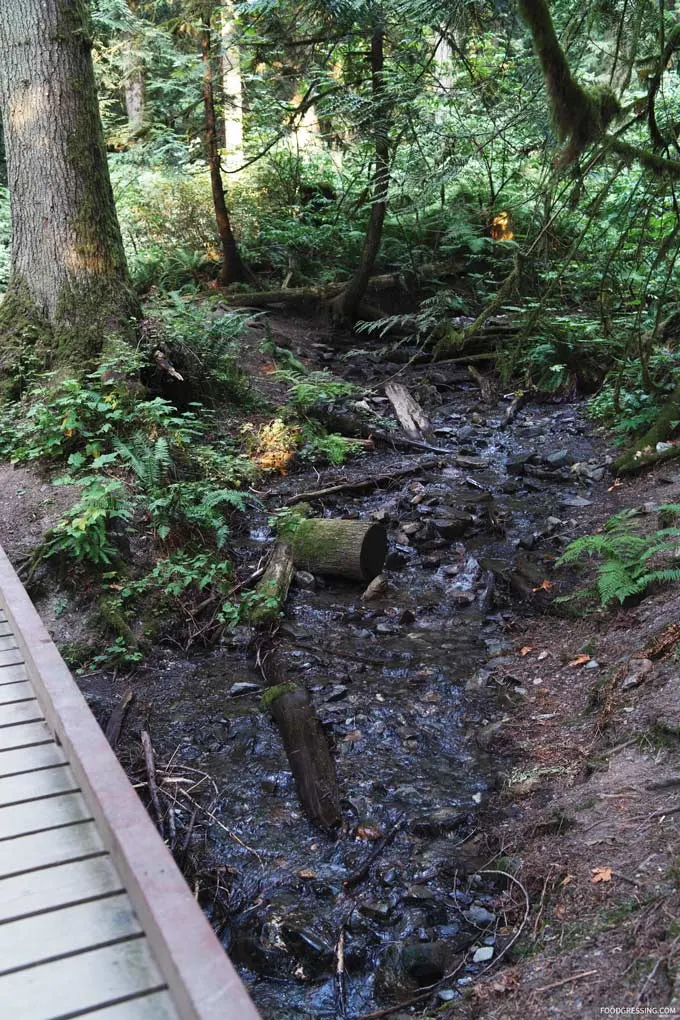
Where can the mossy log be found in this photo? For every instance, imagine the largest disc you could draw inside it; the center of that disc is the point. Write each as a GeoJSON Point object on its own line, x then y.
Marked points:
{"type": "Point", "coordinates": [352, 549]}
{"type": "Point", "coordinates": [308, 753]}
{"type": "Point", "coordinates": [644, 454]}
{"type": "Point", "coordinates": [272, 589]}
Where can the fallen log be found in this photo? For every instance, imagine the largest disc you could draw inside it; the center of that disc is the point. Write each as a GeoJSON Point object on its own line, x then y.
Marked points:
{"type": "Point", "coordinates": [487, 386]}
{"type": "Point", "coordinates": [308, 752]}
{"type": "Point", "coordinates": [411, 416]}
{"type": "Point", "coordinates": [352, 549]}
{"type": "Point", "coordinates": [117, 718]}
{"type": "Point", "coordinates": [272, 590]}
{"type": "Point", "coordinates": [372, 482]}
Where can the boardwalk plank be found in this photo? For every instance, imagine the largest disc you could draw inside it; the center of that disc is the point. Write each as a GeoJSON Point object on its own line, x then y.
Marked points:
{"type": "Point", "coordinates": [25, 759]}
{"type": "Point", "coordinates": [81, 982]}
{"type": "Point", "coordinates": [23, 736]}
{"type": "Point", "coordinates": [4, 627]}
{"type": "Point", "coordinates": [44, 849]}
{"type": "Point", "coordinates": [16, 692]}
{"type": "Point", "coordinates": [157, 1006]}
{"type": "Point", "coordinates": [31, 785]}
{"type": "Point", "coordinates": [71, 930]}
{"type": "Point", "coordinates": [10, 657]}
{"type": "Point", "coordinates": [10, 674]}
{"type": "Point", "coordinates": [61, 886]}
{"type": "Point", "coordinates": [20, 712]}
{"type": "Point", "coordinates": [7, 642]}
{"type": "Point", "coordinates": [48, 813]}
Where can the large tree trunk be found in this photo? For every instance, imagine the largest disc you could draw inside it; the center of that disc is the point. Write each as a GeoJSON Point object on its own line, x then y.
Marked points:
{"type": "Point", "coordinates": [346, 306]}
{"type": "Point", "coordinates": [232, 88]}
{"type": "Point", "coordinates": [233, 267]}
{"type": "Point", "coordinates": [69, 294]}
{"type": "Point", "coordinates": [133, 81]}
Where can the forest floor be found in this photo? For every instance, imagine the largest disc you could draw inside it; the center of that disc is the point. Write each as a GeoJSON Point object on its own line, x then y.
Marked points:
{"type": "Point", "coordinates": [557, 738]}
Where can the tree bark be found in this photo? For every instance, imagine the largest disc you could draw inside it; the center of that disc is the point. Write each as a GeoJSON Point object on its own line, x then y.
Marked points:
{"type": "Point", "coordinates": [234, 269]}
{"type": "Point", "coordinates": [232, 88]}
{"type": "Point", "coordinates": [69, 295]}
{"type": "Point", "coordinates": [134, 85]}
{"type": "Point", "coordinates": [346, 307]}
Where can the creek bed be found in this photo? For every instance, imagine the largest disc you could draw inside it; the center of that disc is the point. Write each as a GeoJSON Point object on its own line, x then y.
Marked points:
{"type": "Point", "coordinates": [393, 681]}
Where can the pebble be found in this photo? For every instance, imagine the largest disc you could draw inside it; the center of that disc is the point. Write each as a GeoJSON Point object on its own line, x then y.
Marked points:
{"type": "Point", "coordinates": [483, 954]}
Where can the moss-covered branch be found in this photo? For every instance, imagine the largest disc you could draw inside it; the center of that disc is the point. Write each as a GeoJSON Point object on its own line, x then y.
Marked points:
{"type": "Point", "coordinates": [581, 115]}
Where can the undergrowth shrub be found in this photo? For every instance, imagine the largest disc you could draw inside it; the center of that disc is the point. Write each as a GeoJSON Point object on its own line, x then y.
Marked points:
{"type": "Point", "coordinates": [629, 561]}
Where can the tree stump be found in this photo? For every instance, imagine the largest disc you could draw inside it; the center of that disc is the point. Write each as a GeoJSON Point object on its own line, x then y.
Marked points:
{"type": "Point", "coordinates": [308, 752]}
{"type": "Point", "coordinates": [352, 549]}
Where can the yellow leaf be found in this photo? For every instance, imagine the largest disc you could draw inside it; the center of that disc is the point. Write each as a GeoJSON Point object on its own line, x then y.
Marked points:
{"type": "Point", "coordinates": [602, 875]}
{"type": "Point", "coordinates": [525, 650]}
{"type": "Point", "coordinates": [579, 660]}
{"type": "Point", "coordinates": [545, 586]}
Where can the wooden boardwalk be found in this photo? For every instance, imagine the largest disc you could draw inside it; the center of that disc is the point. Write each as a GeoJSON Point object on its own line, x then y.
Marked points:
{"type": "Point", "coordinates": [95, 919]}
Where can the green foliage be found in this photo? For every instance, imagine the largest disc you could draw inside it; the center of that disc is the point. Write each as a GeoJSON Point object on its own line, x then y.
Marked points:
{"type": "Point", "coordinates": [204, 346]}
{"type": "Point", "coordinates": [82, 534]}
{"type": "Point", "coordinates": [629, 561]}
{"type": "Point", "coordinates": [314, 388]}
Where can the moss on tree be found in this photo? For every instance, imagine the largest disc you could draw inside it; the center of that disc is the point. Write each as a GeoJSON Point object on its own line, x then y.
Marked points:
{"type": "Point", "coordinates": [581, 115]}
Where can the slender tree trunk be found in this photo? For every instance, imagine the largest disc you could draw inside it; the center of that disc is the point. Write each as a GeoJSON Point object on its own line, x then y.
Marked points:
{"type": "Point", "coordinates": [233, 267]}
{"type": "Point", "coordinates": [232, 88]}
{"type": "Point", "coordinates": [133, 83]}
{"type": "Point", "coordinates": [346, 306]}
{"type": "Point", "coordinates": [69, 294]}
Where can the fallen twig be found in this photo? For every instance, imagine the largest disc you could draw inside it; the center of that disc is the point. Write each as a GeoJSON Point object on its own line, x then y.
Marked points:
{"type": "Point", "coordinates": [565, 981]}
{"type": "Point", "coordinates": [374, 482]}
{"type": "Point", "coordinates": [117, 718]}
{"type": "Point", "coordinates": [151, 777]}
{"type": "Point", "coordinates": [363, 870]}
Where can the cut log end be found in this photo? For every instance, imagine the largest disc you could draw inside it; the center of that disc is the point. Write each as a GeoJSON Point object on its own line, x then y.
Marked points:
{"type": "Point", "coordinates": [352, 549]}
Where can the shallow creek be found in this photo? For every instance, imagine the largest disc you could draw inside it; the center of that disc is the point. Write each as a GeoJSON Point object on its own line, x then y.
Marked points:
{"type": "Point", "coordinates": [394, 682]}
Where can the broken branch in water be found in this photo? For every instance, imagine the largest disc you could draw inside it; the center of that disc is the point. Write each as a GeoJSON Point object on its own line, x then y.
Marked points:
{"type": "Point", "coordinates": [151, 777]}
{"type": "Point", "coordinates": [373, 482]}
{"type": "Point", "coordinates": [361, 872]}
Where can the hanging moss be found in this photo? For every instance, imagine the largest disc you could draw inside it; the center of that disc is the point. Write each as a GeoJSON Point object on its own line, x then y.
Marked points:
{"type": "Point", "coordinates": [581, 115]}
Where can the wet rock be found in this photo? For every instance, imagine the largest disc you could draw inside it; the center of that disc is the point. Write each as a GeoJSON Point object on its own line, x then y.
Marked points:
{"type": "Point", "coordinates": [309, 943]}
{"type": "Point", "coordinates": [479, 915]}
{"type": "Point", "coordinates": [395, 561]}
{"type": "Point", "coordinates": [376, 588]}
{"type": "Point", "coordinates": [377, 910]}
{"type": "Point", "coordinates": [432, 560]}
{"type": "Point", "coordinates": [515, 465]}
{"type": "Point", "coordinates": [405, 967]}
{"type": "Point", "coordinates": [470, 463]}
{"type": "Point", "coordinates": [437, 822]}
{"type": "Point", "coordinates": [559, 459]}
{"type": "Point", "coordinates": [419, 894]}
{"type": "Point", "coordinates": [303, 579]}
{"type": "Point", "coordinates": [336, 692]}
{"type": "Point", "coordinates": [243, 687]}
{"type": "Point", "coordinates": [454, 526]}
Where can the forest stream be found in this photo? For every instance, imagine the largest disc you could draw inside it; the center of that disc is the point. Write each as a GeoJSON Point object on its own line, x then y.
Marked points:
{"type": "Point", "coordinates": [405, 685]}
